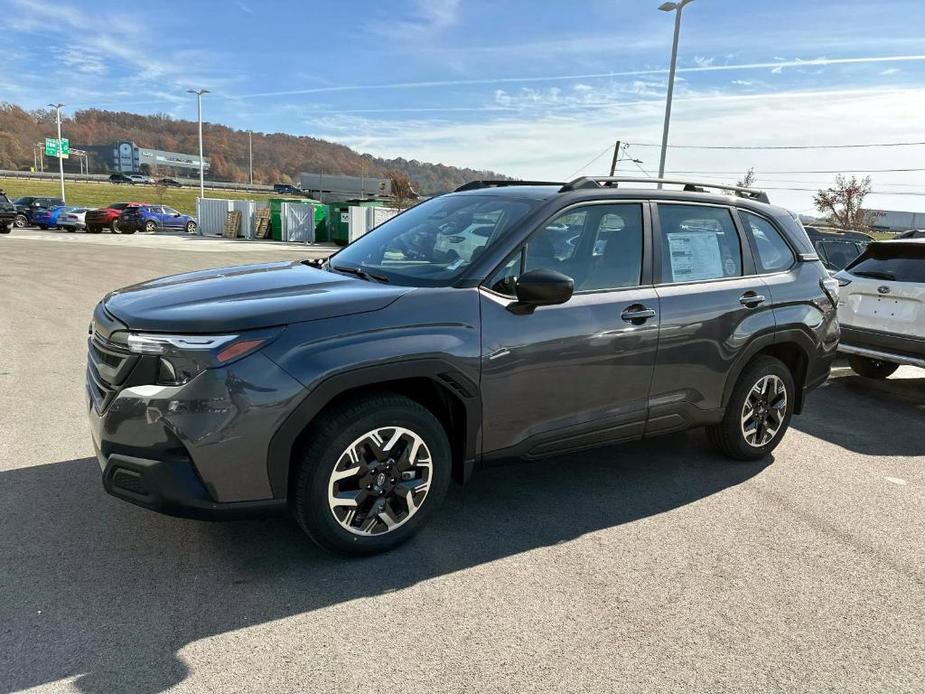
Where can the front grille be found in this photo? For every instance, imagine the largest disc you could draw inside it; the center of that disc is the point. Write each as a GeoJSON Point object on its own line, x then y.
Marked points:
{"type": "Point", "coordinates": [107, 368]}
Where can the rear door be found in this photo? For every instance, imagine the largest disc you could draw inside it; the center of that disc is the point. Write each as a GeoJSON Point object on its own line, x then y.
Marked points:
{"type": "Point", "coordinates": [712, 305]}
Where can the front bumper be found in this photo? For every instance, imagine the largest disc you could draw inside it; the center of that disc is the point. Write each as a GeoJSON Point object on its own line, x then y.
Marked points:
{"type": "Point", "coordinates": [198, 450]}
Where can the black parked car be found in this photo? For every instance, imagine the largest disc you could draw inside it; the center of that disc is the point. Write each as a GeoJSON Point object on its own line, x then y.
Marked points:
{"type": "Point", "coordinates": [286, 188]}
{"type": "Point", "coordinates": [120, 178]}
{"type": "Point", "coordinates": [7, 213]}
{"type": "Point", "coordinates": [837, 247]}
{"type": "Point", "coordinates": [169, 183]}
{"type": "Point", "coordinates": [459, 332]}
{"type": "Point", "coordinates": [27, 205]}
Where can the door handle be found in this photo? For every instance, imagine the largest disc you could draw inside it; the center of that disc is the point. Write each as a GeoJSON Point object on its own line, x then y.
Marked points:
{"type": "Point", "coordinates": [751, 299]}
{"type": "Point", "coordinates": [637, 314]}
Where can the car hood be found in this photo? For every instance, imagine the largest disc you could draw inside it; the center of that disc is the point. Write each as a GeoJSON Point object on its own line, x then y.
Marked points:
{"type": "Point", "coordinates": [245, 297]}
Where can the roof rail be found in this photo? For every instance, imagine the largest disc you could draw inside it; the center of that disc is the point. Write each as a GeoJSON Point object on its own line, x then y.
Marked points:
{"type": "Point", "coordinates": [476, 185]}
{"type": "Point", "coordinates": [691, 186]}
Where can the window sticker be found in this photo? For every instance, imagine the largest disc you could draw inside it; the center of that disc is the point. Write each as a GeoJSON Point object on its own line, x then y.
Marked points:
{"type": "Point", "coordinates": [695, 256]}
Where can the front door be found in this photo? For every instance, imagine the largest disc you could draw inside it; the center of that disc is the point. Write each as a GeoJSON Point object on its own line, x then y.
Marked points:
{"type": "Point", "coordinates": [712, 306]}
{"type": "Point", "coordinates": [575, 375]}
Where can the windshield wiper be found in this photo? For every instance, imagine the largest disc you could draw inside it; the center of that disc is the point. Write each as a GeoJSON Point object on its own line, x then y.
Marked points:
{"type": "Point", "coordinates": [876, 274]}
{"type": "Point", "coordinates": [360, 272]}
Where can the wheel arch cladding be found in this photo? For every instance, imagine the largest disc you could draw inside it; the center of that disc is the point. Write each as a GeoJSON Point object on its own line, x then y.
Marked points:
{"type": "Point", "coordinates": [792, 352]}
{"type": "Point", "coordinates": [438, 386]}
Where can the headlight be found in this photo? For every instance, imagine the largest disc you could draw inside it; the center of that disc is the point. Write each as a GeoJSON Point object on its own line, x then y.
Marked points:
{"type": "Point", "coordinates": [182, 357]}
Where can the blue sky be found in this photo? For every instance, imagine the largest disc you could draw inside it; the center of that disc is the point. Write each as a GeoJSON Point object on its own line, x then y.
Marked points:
{"type": "Point", "coordinates": [529, 88]}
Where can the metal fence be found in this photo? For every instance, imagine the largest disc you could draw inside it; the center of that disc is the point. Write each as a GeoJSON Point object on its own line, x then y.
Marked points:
{"type": "Point", "coordinates": [104, 178]}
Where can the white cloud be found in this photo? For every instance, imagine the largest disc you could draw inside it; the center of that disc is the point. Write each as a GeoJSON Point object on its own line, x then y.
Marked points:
{"type": "Point", "coordinates": [742, 83]}
{"type": "Point", "coordinates": [427, 19]}
{"type": "Point", "coordinates": [890, 71]}
{"type": "Point", "coordinates": [245, 8]}
{"type": "Point", "coordinates": [551, 143]}
{"type": "Point", "coordinates": [701, 61]}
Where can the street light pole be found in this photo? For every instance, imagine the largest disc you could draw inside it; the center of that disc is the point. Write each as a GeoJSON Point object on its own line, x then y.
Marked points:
{"type": "Point", "coordinates": [675, 7]}
{"type": "Point", "coordinates": [57, 108]}
{"type": "Point", "coordinates": [250, 155]}
{"type": "Point", "coordinates": [199, 93]}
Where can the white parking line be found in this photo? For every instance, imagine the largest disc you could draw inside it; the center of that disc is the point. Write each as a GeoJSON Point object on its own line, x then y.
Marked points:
{"type": "Point", "coordinates": [896, 480]}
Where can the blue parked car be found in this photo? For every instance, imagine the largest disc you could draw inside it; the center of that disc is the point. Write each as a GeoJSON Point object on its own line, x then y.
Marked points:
{"type": "Point", "coordinates": [46, 218]}
{"type": "Point", "coordinates": [154, 218]}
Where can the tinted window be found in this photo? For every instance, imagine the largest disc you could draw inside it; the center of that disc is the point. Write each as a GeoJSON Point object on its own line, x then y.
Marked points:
{"type": "Point", "coordinates": [698, 243]}
{"type": "Point", "coordinates": [836, 254]}
{"type": "Point", "coordinates": [772, 252]}
{"type": "Point", "coordinates": [434, 242]}
{"type": "Point", "coordinates": [598, 246]}
{"type": "Point", "coordinates": [900, 263]}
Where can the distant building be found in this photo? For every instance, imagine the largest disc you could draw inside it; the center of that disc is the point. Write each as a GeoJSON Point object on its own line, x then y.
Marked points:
{"type": "Point", "coordinates": [335, 188]}
{"type": "Point", "coordinates": [127, 157]}
{"type": "Point", "coordinates": [889, 220]}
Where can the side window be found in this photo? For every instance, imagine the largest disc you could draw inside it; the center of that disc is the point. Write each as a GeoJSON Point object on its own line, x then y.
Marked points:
{"type": "Point", "coordinates": [598, 246]}
{"type": "Point", "coordinates": [773, 253]}
{"type": "Point", "coordinates": [698, 243]}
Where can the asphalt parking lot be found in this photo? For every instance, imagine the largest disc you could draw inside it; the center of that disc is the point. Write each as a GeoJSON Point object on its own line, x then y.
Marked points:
{"type": "Point", "coordinates": [655, 566]}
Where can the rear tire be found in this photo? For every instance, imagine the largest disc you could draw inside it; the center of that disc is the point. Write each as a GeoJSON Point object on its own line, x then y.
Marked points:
{"type": "Point", "coordinates": [20, 221]}
{"type": "Point", "coordinates": [758, 412]}
{"type": "Point", "coordinates": [150, 227]}
{"type": "Point", "coordinates": [871, 368]}
{"type": "Point", "coordinates": [43, 227]}
{"type": "Point", "coordinates": [94, 230]}
{"type": "Point", "coordinates": [390, 440]}
{"type": "Point", "coordinates": [6, 228]}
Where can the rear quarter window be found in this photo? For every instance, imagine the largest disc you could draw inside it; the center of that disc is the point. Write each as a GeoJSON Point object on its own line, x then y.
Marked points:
{"type": "Point", "coordinates": [771, 251]}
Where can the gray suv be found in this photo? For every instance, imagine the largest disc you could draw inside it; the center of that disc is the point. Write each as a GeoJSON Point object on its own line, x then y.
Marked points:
{"type": "Point", "coordinates": [504, 320]}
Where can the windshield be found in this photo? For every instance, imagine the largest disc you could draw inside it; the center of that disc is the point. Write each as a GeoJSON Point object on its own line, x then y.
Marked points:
{"type": "Point", "coordinates": [433, 243]}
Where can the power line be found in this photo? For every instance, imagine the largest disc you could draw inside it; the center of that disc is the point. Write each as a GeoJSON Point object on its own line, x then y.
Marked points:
{"type": "Point", "coordinates": [819, 171]}
{"type": "Point", "coordinates": [582, 168]}
{"type": "Point", "coordinates": [864, 145]}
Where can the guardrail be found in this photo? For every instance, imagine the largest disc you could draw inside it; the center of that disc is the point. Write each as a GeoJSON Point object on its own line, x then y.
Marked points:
{"type": "Point", "coordinates": [104, 178]}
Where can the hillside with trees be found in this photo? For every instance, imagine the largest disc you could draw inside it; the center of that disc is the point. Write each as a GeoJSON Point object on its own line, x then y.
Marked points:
{"type": "Point", "coordinates": [278, 157]}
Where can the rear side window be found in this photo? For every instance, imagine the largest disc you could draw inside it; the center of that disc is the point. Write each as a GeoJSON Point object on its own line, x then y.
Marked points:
{"type": "Point", "coordinates": [698, 243]}
{"type": "Point", "coordinates": [773, 253]}
{"type": "Point", "coordinates": [898, 263]}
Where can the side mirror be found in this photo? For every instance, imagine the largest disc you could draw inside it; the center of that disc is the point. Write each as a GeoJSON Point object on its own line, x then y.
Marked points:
{"type": "Point", "coordinates": [542, 288]}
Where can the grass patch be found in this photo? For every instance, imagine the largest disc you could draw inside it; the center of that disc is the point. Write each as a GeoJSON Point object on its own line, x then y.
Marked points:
{"type": "Point", "coordinates": [104, 194]}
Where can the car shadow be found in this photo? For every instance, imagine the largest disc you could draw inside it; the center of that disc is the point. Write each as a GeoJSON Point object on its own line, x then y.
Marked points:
{"type": "Point", "coordinates": [107, 593]}
{"type": "Point", "coordinates": [868, 416]}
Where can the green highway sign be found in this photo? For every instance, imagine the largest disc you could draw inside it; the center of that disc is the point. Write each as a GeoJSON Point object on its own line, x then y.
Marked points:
{"type": "Point", "coordinates": [51, 147]}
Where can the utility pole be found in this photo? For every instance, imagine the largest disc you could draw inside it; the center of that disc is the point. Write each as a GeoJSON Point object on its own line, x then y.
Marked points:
{"type": "Point", "coordinates": [57, 108]}
{"type": "Point", "coordinates": [250, 154]}
{"type": "Point", "coordinates": [199, 93]}
{"type": "Point", "coordinates": [616, 158]}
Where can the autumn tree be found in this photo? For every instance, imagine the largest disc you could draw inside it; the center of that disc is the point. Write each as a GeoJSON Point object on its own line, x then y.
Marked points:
{"type": "Point", "coordinates": [748, 180]}
{"type": "Point", "coordinates": [402, 192]}
{"type": "Point", "coordinates": [843, 202]}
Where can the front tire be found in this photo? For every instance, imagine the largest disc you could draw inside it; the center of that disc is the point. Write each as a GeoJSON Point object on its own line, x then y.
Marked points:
{"type": "Point", "coordinates": [372, 472]}
{"type": "Point", "coordinates": [191, 227]}
{"type": "Point", "coordinates": [94, 229]}
{"type": "Point", "coordinates": [871, 368]}
{"type": "Point", "coordinates": [6, 228]}
{"type": "Point", "coordinates": [758, 412]}
{"type": "Point", "coordinates": [43, 227]}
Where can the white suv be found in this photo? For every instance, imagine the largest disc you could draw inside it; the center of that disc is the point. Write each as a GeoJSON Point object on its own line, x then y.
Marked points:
{"type": "Point", "coordinates": [882, 307]}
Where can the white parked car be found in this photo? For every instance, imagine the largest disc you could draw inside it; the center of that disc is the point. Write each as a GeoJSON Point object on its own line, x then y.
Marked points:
{"type": "Point", "coordinates": [73, 220]}
{"type": "Point", "coordinates": [881, 307]}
